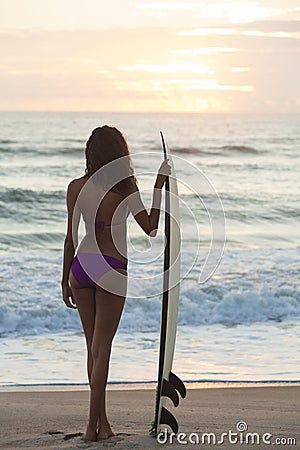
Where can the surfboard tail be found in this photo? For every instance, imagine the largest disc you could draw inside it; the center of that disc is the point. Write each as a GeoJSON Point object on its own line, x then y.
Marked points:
{"type": "Point", "coordinates": [167, 418]}
{"type": "Point", "coordinates": [178, 384]}
{"type": "Point", "coordinates": [170, 389]}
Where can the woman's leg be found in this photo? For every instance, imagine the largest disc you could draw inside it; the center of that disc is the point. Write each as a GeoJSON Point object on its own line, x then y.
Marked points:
{"type": "Point", "coordinates": [109, 309]}
{"type": "Point", "coordinates": [85, 302]}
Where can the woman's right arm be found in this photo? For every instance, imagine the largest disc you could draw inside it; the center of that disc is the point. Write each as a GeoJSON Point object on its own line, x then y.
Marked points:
{"type": "Point", "coordinates": [69, 243]}
{"type": "Point", "coordinates": [149, 222]}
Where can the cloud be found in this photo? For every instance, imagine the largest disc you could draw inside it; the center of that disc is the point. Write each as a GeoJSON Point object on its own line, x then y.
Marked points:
{"type": "Point", "coordinates": [240, 69]}
{"type": "Point", "coordinates": [272, 34]}
{"type": "Point", "coordinates": [211, 85]}
{"type": "Point", "coordinates": [206, 51]}
{"type": "Point", "coordinates": [183, 84]}
{"type": "Point", "coordinates": [272, 25]}
{"type": "Point", "coordinates": [206, 31]}
{"type": "Point", "coordinates": [271, 28]}
{"type": "Point", "coordinates": [236, 12]}
{"type": "Point", "coordinates": [169, 68]}
{"type": "Point", "coordinates": [171, 5]}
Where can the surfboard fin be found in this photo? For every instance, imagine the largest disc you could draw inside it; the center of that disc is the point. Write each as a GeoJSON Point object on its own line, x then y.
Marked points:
{"type": "Point", "coordinates": [178, 384]}
{"type": "Point", "coordinates": [167, 418]}
{"type": "Point", "coordinates": [168, 390]}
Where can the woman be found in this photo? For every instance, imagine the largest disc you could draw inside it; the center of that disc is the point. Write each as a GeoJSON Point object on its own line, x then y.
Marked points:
{"type": "Point", "coordinates": [95, 280]}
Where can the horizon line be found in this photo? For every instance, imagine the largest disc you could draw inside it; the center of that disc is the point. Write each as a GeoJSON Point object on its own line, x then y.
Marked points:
{"type": "Point", "coordinates": [152, 112]}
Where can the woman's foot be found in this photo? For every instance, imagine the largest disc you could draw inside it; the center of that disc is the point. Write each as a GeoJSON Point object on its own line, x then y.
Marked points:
{"type": "Point", "coordinates": [104, 432]}
{"type": "Point", "coordinates": [90, 434]}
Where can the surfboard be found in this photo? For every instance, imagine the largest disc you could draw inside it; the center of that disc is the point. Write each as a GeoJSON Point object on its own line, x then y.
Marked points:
{"type": "Point", "coordinates": [168, 384]}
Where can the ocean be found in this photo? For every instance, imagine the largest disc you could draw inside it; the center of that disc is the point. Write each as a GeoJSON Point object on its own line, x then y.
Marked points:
{"type": "Point", "coordinates": [239, 312]}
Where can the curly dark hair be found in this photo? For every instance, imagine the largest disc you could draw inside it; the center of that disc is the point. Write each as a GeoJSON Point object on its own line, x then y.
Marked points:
{"type": "Point", "coordinates": [104, 146]}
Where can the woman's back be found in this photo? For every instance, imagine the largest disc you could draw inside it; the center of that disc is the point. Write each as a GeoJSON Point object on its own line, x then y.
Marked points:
{"type": "Point", "coordinates": [104, 214]}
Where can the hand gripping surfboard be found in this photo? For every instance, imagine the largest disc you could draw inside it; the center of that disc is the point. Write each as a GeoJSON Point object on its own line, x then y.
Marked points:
{"type": "Point", "coordinates": [168, 384]}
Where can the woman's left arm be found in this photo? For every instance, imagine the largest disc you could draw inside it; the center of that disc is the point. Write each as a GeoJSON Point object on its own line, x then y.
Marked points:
{"type": "Point", "coordinates": [69, 244]}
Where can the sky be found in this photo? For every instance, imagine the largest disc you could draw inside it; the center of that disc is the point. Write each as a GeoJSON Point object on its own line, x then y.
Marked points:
{"type": "Point", "coordinates": [212, 56]}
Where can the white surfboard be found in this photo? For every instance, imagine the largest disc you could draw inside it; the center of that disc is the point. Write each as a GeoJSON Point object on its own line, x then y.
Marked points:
{"type": "Point", "coordinates": [169, 384]}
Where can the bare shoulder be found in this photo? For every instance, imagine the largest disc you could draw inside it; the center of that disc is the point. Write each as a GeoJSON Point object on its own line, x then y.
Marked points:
{"type": "Point", "coordinates": [75, 186]}
{"type": "Point", "coordinates": [133, 189]}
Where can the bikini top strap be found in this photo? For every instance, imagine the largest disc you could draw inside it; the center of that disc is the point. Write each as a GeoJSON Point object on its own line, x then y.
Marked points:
{"type": "Point", "coordinates": [101, 225]}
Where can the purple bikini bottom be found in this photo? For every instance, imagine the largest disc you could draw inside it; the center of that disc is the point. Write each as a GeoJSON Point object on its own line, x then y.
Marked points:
{"type": "Point", "coordinates": [88, 268]}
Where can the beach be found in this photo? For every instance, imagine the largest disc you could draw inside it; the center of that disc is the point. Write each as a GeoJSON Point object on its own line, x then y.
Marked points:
{"type": "Point", "coordinates": [57, 419]}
